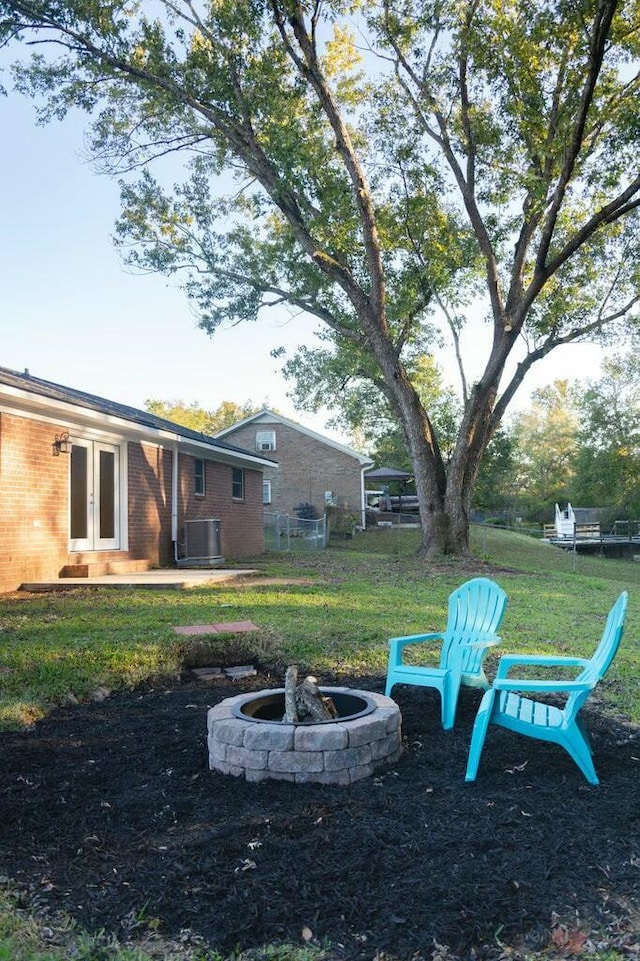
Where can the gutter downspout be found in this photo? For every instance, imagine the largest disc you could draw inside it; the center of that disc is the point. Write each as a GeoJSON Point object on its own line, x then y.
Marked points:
{"type": "Point", "coordinates": [174, 499]}
{"type": "Point", "coordinates": [363, 502]}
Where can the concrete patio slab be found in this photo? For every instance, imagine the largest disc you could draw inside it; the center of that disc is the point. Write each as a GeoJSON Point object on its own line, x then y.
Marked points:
{"type": "Point", "coordinates": [161, 579]}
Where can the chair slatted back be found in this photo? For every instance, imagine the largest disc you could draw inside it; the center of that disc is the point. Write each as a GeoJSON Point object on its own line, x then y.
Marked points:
{"type": "Point", "coordinates": [602, 657]}
{"type": "Point", "coordinates": [476, 609]}
{"type": "Point", "coordinates": [609, 643]}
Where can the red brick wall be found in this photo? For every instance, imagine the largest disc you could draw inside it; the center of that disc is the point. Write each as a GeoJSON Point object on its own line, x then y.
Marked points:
{"type": "Point", "coordinates": [33, 502]}
{"type": "Point", "coordinates": [149, 509]}
{"type": "Point", "coordinates": [307, 468]}
{"type": "Point", "coordinates": [242, 533]}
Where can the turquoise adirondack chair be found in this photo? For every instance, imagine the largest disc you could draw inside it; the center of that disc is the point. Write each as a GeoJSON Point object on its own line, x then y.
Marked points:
{"type": "Point", "coordinates": [502, 704]}
{"type": "Point", "coordinates": [475, 612]}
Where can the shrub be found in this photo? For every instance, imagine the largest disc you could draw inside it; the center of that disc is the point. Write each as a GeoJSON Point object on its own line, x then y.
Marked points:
{"type": "Point", "coordinates": [306, 512]}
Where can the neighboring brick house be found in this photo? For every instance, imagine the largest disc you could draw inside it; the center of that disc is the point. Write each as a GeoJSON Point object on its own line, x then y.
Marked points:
{"type": "Point", "coordinates": [312, 469]}
{"type": "Point", "coordinates": [88, 486]}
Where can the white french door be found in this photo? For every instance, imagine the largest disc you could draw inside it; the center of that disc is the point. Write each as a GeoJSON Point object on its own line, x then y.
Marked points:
{"type": "Point", "coordinates": [94, 516]}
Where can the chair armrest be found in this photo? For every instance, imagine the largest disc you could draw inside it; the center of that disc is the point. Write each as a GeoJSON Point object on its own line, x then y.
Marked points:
{"type": "Point", "coordinates": [537, 660]}
{"type": "Point", "coordinates": [531, 685]}
{"type": "Point", "coordinates": [400, 642]}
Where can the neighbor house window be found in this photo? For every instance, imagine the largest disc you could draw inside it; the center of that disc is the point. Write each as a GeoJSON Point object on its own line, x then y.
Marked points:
{"type": "Point", "coordinates": [266, 492]}
{"type": "Point", "coordinates": [265, 440]}
{"type": "Point", "coordinates": [237, 484]}
{"type": "Point", "coordinates": [200, 488]}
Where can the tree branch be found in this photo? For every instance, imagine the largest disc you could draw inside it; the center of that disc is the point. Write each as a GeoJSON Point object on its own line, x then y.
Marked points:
{"type": "Point", "coordinates": [456, 343]}
{"type": "Point", "coordinates": [550, 344]}
{"type": "Point", "coordinates": [309, 67]}
{"type": "Point", "coordinates": [532, 210]}
{"type": "Point", "coordinates": [625, 203]}
{"type": "Point", "coordinates": [600, 32]}
{"type": "Point", "coordinates": [442, 139]}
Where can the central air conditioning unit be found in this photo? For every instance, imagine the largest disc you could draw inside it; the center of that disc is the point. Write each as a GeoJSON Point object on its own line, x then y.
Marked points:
{"type": "Point", "coordinates": [202, 543]}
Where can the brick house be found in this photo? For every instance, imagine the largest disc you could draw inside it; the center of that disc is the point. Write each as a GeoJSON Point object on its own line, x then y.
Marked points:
{"type": "Point", "coordinates": [89, 486]}
{"type": "Point", "coordinates": [311, 469]}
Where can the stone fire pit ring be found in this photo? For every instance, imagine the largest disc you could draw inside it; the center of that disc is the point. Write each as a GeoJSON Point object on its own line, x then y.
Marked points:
{"type": "Point", "coordinates": [244, 743]}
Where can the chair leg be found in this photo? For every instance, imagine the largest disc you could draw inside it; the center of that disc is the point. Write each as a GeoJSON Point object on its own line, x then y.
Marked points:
{"type": "Point", "coordinates": [481, 724]}
{"type": "Point", "coordinates": [584, 732]}
{"type": "Point", "coordinates": [449, 703]}
{"type": "Point", "coordinates": [579, 748]}
{"type": "Point", "coordinates": [389, 685]}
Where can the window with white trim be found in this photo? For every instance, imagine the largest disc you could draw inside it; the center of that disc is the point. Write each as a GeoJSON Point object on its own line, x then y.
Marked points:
{"type": "Point", "coordinates": [237, 484]}
{"type": "Point", "coordinates": [200, 475]}
{"type": "Point", "coordinates": [265, 440]}
{"type": "Point", "coordinates": [266, 492]}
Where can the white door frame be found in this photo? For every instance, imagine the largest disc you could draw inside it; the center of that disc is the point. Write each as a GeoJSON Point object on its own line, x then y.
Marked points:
{"type": "Point", "coordinates": [94, 496]}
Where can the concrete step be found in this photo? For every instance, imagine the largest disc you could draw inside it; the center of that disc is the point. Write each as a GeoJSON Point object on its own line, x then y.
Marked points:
{"type": "Point", "coordinates": [101, 568]}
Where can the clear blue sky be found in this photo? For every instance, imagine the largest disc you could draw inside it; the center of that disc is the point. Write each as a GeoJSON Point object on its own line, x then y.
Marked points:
{"type": "Point", "coordinates": [71, 313]}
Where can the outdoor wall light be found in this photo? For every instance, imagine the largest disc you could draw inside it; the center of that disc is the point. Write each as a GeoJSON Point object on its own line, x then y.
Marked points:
{"type": "Point", "coordinates": [62, 444]}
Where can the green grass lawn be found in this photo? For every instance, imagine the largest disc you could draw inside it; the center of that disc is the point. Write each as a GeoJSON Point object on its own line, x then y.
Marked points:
{"type": "Point", "coordinates": [60, 646]}
{"type": "Point", "coordinates": [337, 616]}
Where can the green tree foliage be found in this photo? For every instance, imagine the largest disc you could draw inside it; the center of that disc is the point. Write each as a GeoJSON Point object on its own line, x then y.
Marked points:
{"type": "Point", "coordinates": [338, 379]}
{"type": "Point", "coordinates": [607, 466]}
{"type": "Point", "coordinates": [496, 487]}
{"type": "Point", "coordinates": [193, 416]}
{"type": "Point", "coordinates": [546, 438]}
{"type": "Point", "coordinates": [476, 147]}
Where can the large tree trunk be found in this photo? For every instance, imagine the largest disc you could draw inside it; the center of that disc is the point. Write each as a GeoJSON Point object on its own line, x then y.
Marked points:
{"type": "Point", "coordinates": [475, 433]}
{"type": "Point", "coordinates": [444, 495]}
{"type": "Point", "coordinates": [426, 458]}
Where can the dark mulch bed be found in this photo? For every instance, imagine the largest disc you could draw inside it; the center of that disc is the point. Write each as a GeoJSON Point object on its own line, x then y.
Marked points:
{"type": "Point", "coordinates": [108, 812]}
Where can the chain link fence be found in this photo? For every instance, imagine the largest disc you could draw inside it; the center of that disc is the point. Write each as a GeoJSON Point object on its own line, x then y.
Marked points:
{"type": "Point", "coordinates": [285, 533]}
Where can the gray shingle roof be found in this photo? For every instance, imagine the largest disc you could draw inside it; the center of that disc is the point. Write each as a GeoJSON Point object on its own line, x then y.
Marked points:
{"type": "Point", "coordinates": [80, 398]}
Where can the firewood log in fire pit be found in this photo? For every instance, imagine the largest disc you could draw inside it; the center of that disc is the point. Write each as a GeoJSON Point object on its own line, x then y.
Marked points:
{"type": "Point", "coordinates": [303, 702]}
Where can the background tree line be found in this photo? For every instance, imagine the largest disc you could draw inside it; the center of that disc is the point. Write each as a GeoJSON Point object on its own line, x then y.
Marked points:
{"type": "Point", "coordinates": [577, 443]}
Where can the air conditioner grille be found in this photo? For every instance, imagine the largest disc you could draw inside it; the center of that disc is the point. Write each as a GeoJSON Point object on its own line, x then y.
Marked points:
{"type": "Point", "coordinates": [202, 539]}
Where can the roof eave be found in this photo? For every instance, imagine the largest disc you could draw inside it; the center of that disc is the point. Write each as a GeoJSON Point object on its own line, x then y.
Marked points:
{"type": "Point", "coordinates": [24, 401]}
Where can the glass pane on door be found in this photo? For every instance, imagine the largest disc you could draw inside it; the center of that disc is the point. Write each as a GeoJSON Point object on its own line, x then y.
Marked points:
{"type": "Point", "coordinates": [107, 495]}
{"type": "Point", "coordinates": [79, 492]}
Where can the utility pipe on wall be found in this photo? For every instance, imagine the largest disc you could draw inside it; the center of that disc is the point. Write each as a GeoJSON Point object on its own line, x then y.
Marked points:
{"type": "Point", "coordinates": [363, 498]}
{"type": "Point", "coordinates": [174, 498]}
